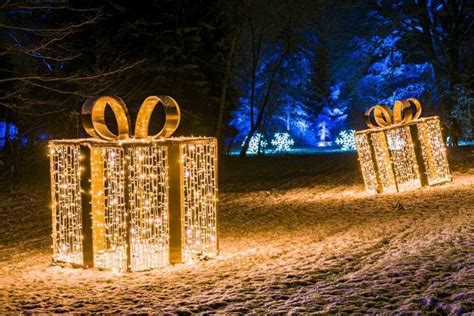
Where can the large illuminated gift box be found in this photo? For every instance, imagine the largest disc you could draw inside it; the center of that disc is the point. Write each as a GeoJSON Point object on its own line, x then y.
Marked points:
{"type": "Point", "coordinates": [400, 151]}
{"type": "Point", "coordinates": [131, 204]}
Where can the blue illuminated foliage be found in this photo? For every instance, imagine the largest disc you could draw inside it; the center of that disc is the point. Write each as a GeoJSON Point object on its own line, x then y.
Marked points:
{"type": "Point", "coordinates": [292, 111]}
{"type": "Point", "coordinates": [316, 121]}
{"type": "Point", "coordinates": [7, 132]}
{"type": "Point", "coordinates": [390, 77]}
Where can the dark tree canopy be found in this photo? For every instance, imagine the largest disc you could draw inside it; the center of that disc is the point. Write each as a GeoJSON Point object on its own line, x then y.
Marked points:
{"type": "Point", "coordinates": [241, 70]}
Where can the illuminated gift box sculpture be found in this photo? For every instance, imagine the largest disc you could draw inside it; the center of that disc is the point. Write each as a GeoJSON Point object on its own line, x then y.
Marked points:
{"type": "Point", "coordinates": [133, 204]}
{"type": "Point", "coordinates": [401, 151]}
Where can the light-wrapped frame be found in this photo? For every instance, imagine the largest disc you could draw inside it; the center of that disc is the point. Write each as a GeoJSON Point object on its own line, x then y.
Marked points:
{"type": "Point", "coordinates": [133, 203]}
{"type": "Point", "coordinates": [401, 152]}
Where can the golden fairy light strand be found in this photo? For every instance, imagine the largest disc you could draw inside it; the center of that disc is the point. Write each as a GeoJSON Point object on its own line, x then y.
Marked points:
{"type": "Point", "coordinates": [200, 200]}
{"type": "Point", "coordinates": [366, 162]}
{"type": "Point", "coordinates": [403, 158]}
{"type": "Point", "coordinates": [66, 204]}
{"type": "Point", "coordinates": [434, 151]}
{"type": "Point", "coordinates": [114, 256]}
{"type": "Point", "coordinates": [148, 202]}
{"type": "Point", "coordinates": [384, 164]}
{"type": "Point", "coordinates": [148, 206]}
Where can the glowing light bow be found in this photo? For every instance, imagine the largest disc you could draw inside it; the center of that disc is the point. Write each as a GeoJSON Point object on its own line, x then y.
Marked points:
{"type": "Point", "coordinates": [402, 113]}
{"type": "Point", "coordinates": [93, 117]}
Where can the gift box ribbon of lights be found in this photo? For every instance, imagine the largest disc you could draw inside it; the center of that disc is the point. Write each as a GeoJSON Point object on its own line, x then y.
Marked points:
{"type": "Point", "coordinates": [133, 203]}
{"type": "Point", "coordinates": [401, 151]}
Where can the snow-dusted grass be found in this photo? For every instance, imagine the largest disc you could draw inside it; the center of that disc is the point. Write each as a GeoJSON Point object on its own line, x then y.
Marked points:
{"type": "Point", "coordinates": [297, 234]}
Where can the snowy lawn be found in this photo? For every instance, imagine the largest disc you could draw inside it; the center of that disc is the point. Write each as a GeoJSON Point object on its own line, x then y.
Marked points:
{"type": "Point", "coordinates": [297, 234]}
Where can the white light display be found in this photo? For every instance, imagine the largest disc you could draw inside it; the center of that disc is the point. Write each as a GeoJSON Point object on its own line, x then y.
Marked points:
{"type": "Point", "coordinates": [346, 140]}
{"type": "Point", "coordinates": [282, 142]}
{"type": "Point", "coordinates": [257, 141]}
{"type": "Point", "coordinates": [324, 135]}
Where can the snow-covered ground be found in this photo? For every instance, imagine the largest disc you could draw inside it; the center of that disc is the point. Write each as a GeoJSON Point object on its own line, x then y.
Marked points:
{"type": "Point", "coordinates": [298, 234]}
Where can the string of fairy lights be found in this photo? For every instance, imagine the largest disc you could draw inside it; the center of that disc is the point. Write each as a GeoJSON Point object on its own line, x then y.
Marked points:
{"type": "Point", "coordinates": [384, 164]}
{"type": "Point", "coordinates": [434, 152]}
{"type": "Point", "coordinates": [113, 253]}
{"type": "Point", "coordinates": [200, 200]}
{"type": "Point", "coordinates": [402, 155]}
{"type": "Point", "coordinates": [388, 156]}
{"type": "Point", "coordinates": [367, 164]}
{"type": "Point", "coordinates": [129, 197]}
{"type": "Point", "coordinates": [148, 187]}
{"type": "Point", "coordinates": [66, 204]}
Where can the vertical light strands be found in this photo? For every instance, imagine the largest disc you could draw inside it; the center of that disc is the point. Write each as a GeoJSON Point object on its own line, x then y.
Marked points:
{"type": "Point", "coordinates": [89, 211]}
{"type": "Point", "coordinates": [193, 198]}
{"type": "Point", "coordinates": [434, 151]}
{"type": "Point", "coordinates": [200, 200]}
{"type": "Point", "coordinates": [66, 203]}
{"type": "Point", "coordinates": [403, 152]}
{"type": "Point", "coordinates": [403, 158]}
{"type": "Point", "coordinates": [110, 242]}
{"type": "Point", "coordinates": [148, 200]}
{"type": "Point", "coordinates": [384, 165]}
{"type": "Point", "coordinates": [133, 204]}
{"type": "Point", "coordinates": [367, 164]}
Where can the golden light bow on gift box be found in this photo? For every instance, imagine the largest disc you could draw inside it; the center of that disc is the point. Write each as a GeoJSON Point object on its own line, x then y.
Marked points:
{"type": "Point", "coordinates": [400, 151]}
{"type": "Point", "coordinates": [133, 203]}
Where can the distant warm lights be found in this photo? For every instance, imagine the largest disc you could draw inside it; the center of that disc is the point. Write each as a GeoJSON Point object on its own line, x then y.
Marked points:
{"type": "Point", "coordinates": [404, 156]}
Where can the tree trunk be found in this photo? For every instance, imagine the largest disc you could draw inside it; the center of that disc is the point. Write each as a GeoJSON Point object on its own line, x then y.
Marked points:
{"type": "Point", "coordinates": [258, 122]}
{"type": "Point", "coordinates": [442, 93]}
{"type": "Point", "coordinates": [261, 151]}
{"type": "Point", "coordinates": [228, 70]}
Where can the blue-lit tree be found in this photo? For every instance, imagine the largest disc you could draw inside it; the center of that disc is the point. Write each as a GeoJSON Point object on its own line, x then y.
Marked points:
{"type": "Point", "coordinates": [380, 65]}
{"type": "Point", "coordinates": [291, 112]}
{"type": "Point", "coordinates": [266, 40]}
{"type": "Point", "coordinates": [438, 32]}
{"type": "Point", "coordinates": [463, 111]}
{"type": "Point", "coordinates": [303, 101]}
{"type": "Point", "coordinates": [315, 92]}
{"type": "Point", "coordinates": [391, 76]}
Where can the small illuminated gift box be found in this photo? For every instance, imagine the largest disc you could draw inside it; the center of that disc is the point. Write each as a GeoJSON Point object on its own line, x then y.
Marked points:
{"type": "Point", "coordinates": [131, 204]}
{"type": "Point", "coordinates": [400, 151]}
